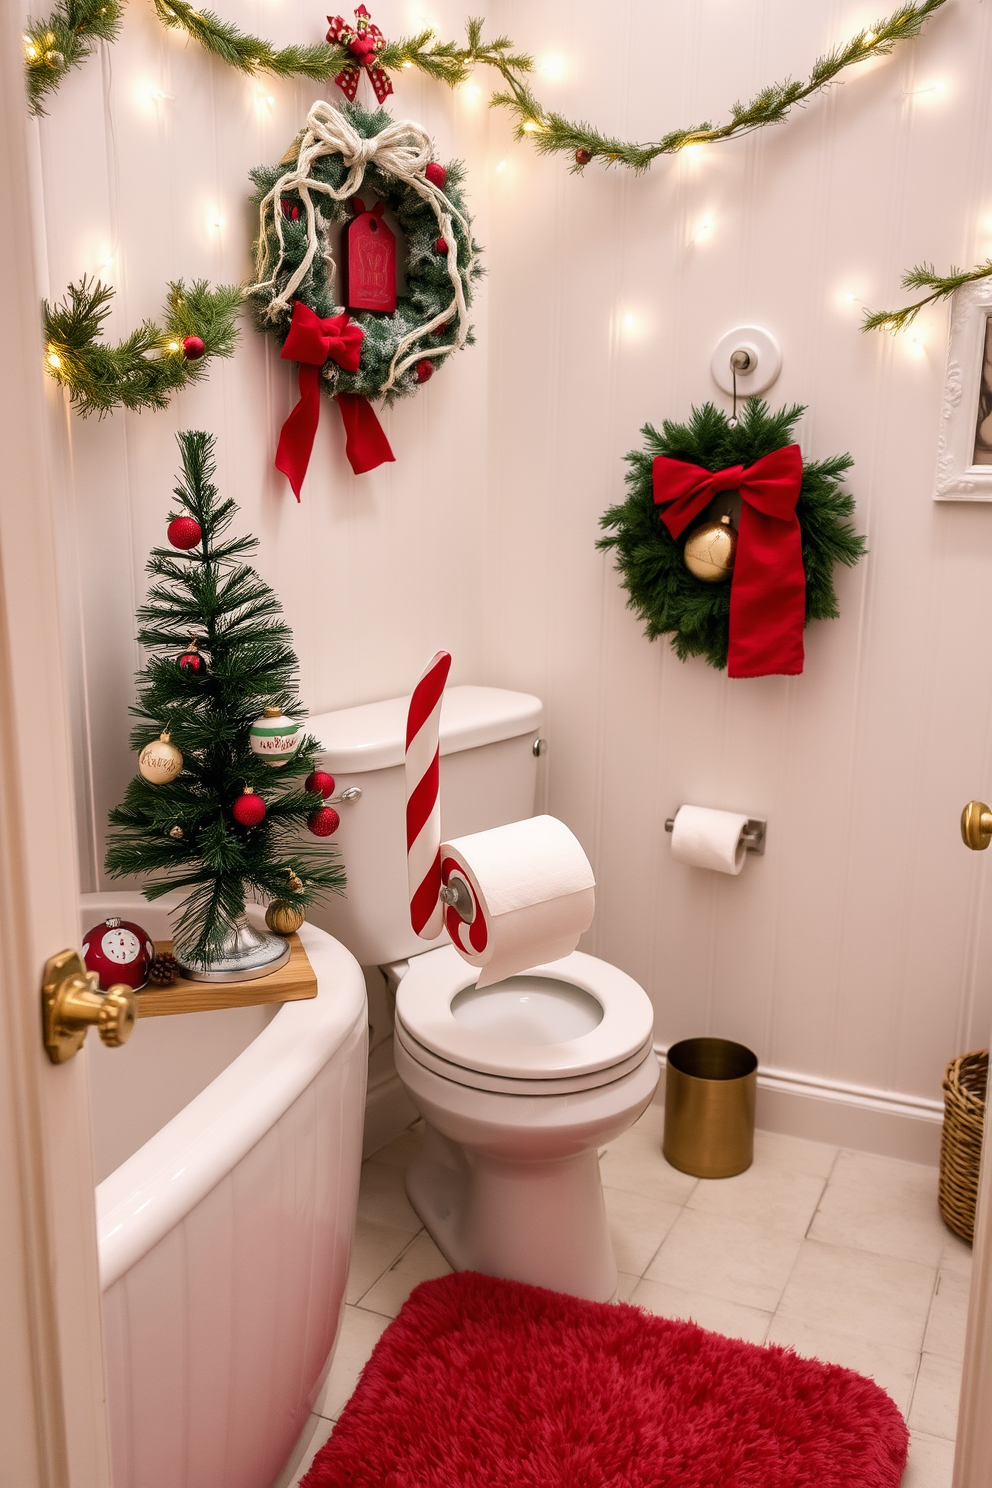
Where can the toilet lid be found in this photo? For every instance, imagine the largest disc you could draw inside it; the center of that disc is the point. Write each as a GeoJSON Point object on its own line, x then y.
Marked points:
{"type": "Point", "coordinates": [565, 1018]}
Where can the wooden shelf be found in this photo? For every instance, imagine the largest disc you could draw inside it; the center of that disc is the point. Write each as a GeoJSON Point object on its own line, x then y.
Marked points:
{"type": "Point", "coordinates": [293, 982]}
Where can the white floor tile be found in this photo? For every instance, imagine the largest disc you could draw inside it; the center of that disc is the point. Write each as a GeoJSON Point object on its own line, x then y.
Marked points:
{"type": "Point", "coordinates": [728, 1258]}
{"type": "Point", "coordinates": [948, 1316]}
{"type": "Point", "coordinates": [874, 1175]}
{"type": "Point", "coordinates": [776, 1198]}
{"type": "Point", "coordinates": [382, 1198]}
{"type": "Point", "coordinates": [854, 1291]}
{"type": "Point", "coordinates": [638, 1225]}
{"type": "Point", "coordinates": [935, 1399]}
{"type": "Point", "coordinates": [899, 1217]}
{"type": "Point", "coordinates": [931, 1462]}
{"type": "Point", "coordinates": [421, 1261]}
{"type": "Point", "coordinates": [892, 1368]}
{"type": "Point", "coordinates": [635, 1163]}
{"type": "Point", "coordinates": [957, 1254]}
{"type": "Point", "coordinates": [625, 1285]}
{"type": "Point", "coordinates": [772, 1149]}
{"type": "Point", "coordinates": [360, 1332]}
{"type": "Point", "coordinates": [715, 1313]}
{"type": "Point", "coordinates": [403, 1149]}
{"type": "Point", "coordinates": [315, 1434]}
{"type": "Point", "coordinates": [375, 1249]}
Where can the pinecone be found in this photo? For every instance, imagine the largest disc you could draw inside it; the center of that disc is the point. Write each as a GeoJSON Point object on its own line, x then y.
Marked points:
{"type": "Point", "coordinates": [163, 971]}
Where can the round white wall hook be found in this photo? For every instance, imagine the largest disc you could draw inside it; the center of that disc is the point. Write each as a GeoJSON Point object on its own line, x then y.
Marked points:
{"type": "Point", "coordinates": [764, 353]}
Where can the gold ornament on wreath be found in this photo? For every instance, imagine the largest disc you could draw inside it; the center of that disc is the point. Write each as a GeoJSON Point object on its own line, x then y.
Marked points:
{"type": "Point", "coordinates": [710, 550]}
{"type": "Point", "coordinates": [284, 918]}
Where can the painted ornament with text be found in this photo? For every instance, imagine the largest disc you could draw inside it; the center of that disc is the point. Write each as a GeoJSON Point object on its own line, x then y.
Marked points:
{"type": "Point", "coordinates": [360, 331]}
{"type": "Point", "coordinates": [728, 539]}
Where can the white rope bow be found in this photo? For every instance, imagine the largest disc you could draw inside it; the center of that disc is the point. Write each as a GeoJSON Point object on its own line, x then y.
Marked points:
{"type": "Point", "coordinates": [404, 150]}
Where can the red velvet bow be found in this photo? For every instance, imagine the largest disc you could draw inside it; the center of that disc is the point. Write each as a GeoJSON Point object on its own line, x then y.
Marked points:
{"type": "Point", "coordinates": [768, 589]}
{"type": "Point", "coordinates": [364, 41]}
{"type": "Point", "coordinates": [312, 342]}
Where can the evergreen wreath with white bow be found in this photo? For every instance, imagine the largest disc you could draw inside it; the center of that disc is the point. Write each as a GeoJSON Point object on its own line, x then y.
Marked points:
{"type": "Point", "coordinates": [343, 154]}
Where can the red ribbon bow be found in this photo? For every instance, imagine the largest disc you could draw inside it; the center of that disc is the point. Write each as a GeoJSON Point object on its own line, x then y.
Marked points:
{"type": "Point", "coordinates": [364, 41]}
{"type": "Point", "coordinates": [312, 342]}
{"type": "Point", "coordinates": [768, 589]}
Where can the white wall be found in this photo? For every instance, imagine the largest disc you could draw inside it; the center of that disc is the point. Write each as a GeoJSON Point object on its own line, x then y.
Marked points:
{"type": "Point", "coordinates": [852, 955]}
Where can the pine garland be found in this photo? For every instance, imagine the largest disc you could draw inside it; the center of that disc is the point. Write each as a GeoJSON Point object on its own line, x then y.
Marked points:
{"type": "Point", "coordinates": [144, 370]}
{"type": "Point", "coordinates": [428, 289]}
{"type": "Point", "coordinates": [672, 601]}
{"type": "Point", "coordinates": [63, 41]}
{"type": "Point", "coordinates": [212, 592]}
{"type": "Point", "coordinates": [549, 131]}
{"type": "Point", "coordinates": [924, 276]}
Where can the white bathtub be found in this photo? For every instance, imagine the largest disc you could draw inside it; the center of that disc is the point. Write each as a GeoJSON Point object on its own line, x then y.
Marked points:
{"type": "Point", "coordinates": [228, 1148]}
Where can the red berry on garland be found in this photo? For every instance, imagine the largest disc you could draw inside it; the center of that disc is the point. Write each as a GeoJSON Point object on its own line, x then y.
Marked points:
{"type": "Point", "coordinates": [436, 174]}
{"type": "Point", "coordinates": [184, 532]}
{"type": "Point", "coordinates": [324, 822]}
{"type": "Point", "coordinates": [424, 370]}
{"type": "Point", "coordinates": [583, 157]}
{"type": "Point", "coordinates": [442, 330]}
{"type": "Point", "coordinates": [249, 809]}
{"type": "Point", "coordinates": [192, 661]}
{"type": "Point", "coordinates": [289, 208]}
{"type": "Point", "coordinates": [193, 348]}
{"type": "Point", "coordinates": [440, 246]}
{"type": "Point", "coordinates": [319, 783]}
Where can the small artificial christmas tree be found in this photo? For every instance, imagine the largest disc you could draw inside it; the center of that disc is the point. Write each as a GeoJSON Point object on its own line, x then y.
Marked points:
{"type": "Point", "coordinates": [219, 654]}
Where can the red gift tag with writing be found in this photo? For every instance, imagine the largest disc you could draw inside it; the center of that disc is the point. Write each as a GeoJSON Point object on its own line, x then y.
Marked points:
{"type": "Point", "coordinates": [371, 261]}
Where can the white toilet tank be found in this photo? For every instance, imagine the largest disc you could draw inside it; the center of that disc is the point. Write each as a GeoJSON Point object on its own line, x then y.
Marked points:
{"type": "Point", "coordinates": [488, 777]}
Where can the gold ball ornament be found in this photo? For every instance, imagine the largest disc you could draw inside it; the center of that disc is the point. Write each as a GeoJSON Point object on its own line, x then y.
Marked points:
{"type": "Point", "coordinates": [710, 549]}
{"type": "Point", "coordinates": [160, 761]}
{"type": "Point", "coordinates": [283, 918]}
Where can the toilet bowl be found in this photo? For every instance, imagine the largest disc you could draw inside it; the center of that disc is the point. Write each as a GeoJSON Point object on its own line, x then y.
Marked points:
{"type": "Point", "coordinates": [519, 1085]}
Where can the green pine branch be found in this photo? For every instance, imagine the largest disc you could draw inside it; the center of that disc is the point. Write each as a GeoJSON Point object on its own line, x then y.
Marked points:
{"type": "Point", "coordinates": [550, 132]}
{"type": "Point", "coordinates": [63, 40]}
{"type": "Point", "coordinates": [145, 369]}
{"type": "Point", "coordinates": [924, 276]}
{"type": "Point", "coordinates": [182, 835]}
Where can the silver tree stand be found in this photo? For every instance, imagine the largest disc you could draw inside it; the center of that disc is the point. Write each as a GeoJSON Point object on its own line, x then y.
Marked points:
{"type": "Point", "coordinates": [246, 954]}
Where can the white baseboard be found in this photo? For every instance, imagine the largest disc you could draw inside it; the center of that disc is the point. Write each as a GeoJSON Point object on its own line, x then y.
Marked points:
{"type": "Point", "coordinates": [888, 1122]}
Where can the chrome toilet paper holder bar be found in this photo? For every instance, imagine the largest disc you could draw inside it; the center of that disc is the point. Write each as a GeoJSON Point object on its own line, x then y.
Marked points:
{"type": "Point", "coordinates": [753, 835]}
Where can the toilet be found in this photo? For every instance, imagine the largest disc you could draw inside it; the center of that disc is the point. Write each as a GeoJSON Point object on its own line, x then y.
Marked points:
{"type": "Point", "coordinates": [519, 1083]}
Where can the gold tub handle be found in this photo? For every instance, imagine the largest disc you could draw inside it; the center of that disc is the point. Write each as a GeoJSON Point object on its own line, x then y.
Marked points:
{"type": "Point", "coordinates": [71, 1004]}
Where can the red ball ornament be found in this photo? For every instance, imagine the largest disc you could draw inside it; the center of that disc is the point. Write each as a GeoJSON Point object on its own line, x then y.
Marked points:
{"type": "Point", "coordinates": [249, 809]}
{"type": "Point", "coordinates": [118, 951]}
{"type": "Point", "coordinates": [440, 246]}
{"type": "Point", "coordinates": [184, 532]}
{"type": "Point", "coordinates": [424, 370]}
{"type": "Point", "coordinates": [192, 661]}
{"type": "Point", "coordinates": [319, 783]}
{"type": "Point", "coordinates": [324, 822]}
{"type": "Point", "coordinates": [437, 175]}
{"type": "Point", "coordinates": [193, 348]}
{"type": "Point", "coordinates": [583, 157]}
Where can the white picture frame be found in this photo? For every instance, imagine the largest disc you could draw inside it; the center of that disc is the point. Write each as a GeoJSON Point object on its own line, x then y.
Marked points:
{"type": "Point", "coordinates": [964, 458]}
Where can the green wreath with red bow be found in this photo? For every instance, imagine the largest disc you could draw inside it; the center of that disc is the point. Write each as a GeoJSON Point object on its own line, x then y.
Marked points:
{"type": "Point", "coordinates": [349, 164]}
{"type": "Point", "coordinates": [792, 528]}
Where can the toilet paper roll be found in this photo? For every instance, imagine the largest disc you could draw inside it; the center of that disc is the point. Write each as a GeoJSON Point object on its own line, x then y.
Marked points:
{"type": "Point", "coordinates": [532, 893]}
{"type": "Point", "coordinates": [705, 838]}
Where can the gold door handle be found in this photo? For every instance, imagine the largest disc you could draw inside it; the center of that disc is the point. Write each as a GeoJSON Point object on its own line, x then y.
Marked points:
{"type": "Point", "coordinates": [72, 1003]}
{"type": "Point", "coordinates": [976, 825]}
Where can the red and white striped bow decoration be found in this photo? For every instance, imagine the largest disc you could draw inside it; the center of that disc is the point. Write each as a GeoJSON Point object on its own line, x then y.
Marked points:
{"type": "Point", "coordinates": [364, 41]}
{"type": "Point", "coordinates": [423, 803]}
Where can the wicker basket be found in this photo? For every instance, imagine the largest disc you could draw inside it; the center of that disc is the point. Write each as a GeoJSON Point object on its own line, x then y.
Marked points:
{"type": "Point", "coordinates": [965, 1082]}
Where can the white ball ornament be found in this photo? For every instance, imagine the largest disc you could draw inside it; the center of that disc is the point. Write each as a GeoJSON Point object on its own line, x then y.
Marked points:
{"type": "Point", "coordinates": [160, 761]}
{"type": "Point", "coordinates": [274, 737]}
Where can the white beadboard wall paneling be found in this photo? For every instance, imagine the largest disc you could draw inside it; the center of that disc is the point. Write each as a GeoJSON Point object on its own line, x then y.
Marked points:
{"type": "Point", "coordinates": [853, 954]}
{"type": "Point", "coordinates": [146, 154]}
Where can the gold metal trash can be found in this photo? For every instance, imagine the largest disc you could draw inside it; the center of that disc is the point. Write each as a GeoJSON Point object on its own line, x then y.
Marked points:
{"type": "Point", "coordinates": [710, 1087]}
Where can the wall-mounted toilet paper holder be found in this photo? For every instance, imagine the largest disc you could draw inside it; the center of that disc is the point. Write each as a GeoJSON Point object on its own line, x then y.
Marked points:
{"type": "Point", "coordinates": [753, 835]}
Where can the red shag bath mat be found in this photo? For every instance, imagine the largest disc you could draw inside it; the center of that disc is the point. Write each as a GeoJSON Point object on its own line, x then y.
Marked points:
{"type": "Point", "coordinates": [482, 1383]}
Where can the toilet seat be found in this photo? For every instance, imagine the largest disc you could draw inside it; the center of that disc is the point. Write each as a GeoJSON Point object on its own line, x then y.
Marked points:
{"type": "Point", "coordinates": [510, 1085]}
{"type": "Point", "coordinates": [435, 1038]}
